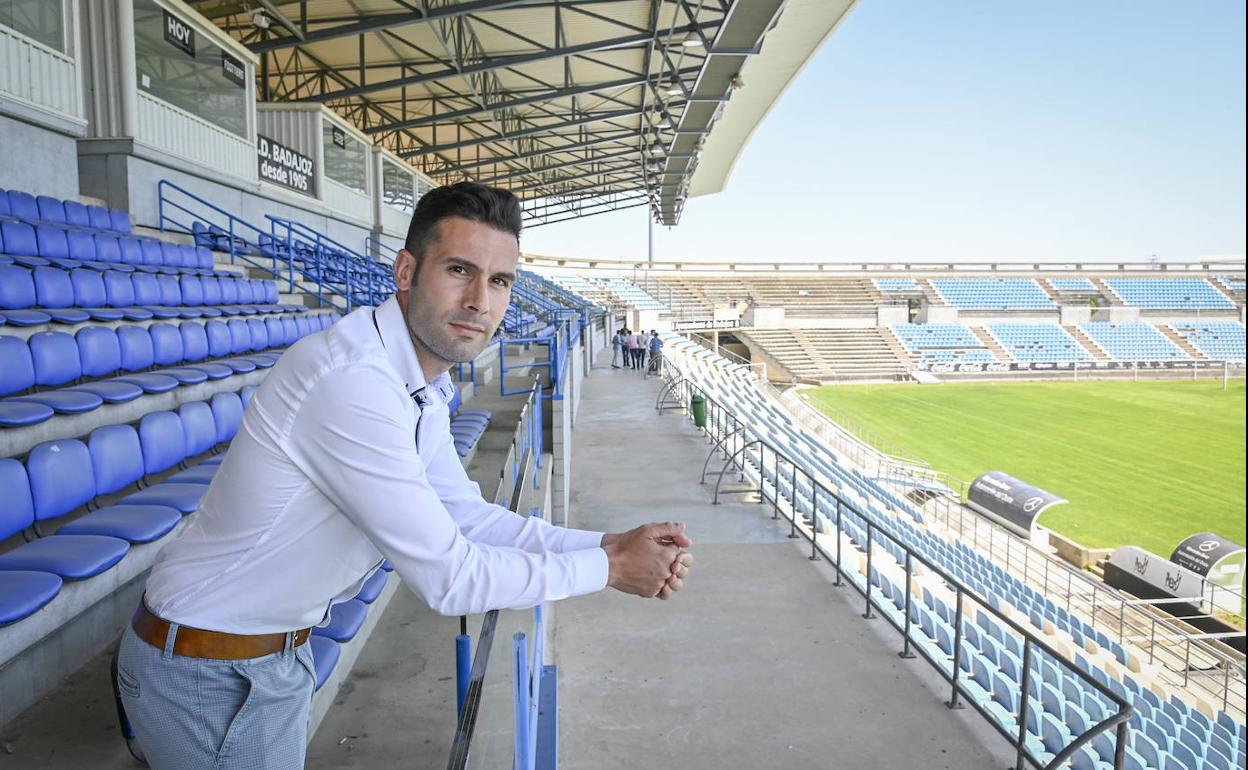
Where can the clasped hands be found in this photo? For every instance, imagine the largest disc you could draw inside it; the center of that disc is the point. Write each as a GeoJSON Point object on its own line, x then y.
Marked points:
{"type": "Point", "coordinates": [650, 560]}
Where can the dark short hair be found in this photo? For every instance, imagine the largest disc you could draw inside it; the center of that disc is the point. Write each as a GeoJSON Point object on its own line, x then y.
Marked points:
{"type": "Point", "coordinates": [490, 206]}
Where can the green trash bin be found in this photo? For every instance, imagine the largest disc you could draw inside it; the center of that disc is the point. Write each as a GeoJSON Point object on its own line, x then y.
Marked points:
{"type": "Point", "coordinates": [697, 405]}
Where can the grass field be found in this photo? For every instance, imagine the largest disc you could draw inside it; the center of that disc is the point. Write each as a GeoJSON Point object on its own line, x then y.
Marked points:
{"type": "Point", "coordinates": [1142, 463]}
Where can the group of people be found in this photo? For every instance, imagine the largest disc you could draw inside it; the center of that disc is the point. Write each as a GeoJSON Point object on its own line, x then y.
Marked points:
{"type": "Point", "coordinates": [634, 346]}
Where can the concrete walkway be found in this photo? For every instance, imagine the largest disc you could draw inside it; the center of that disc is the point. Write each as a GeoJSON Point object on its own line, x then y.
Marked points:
{"type": "Point", "coordinates": [760, 662]}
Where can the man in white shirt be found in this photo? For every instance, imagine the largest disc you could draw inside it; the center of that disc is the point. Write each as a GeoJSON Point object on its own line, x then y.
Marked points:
{"type": "Point", "coordinates": [344, 459]}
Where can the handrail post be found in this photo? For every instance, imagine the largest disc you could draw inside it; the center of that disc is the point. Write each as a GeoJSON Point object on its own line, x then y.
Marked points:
{"type": "Point", "coordinates": [957, 648]}
{"type": "Point", "coordinates": [839, 537]}
{"type": "Point", "coordinates": [814, 520]}
{"type": "Point", "coordinates": [793, 506]}
{"type": "Point", "coordinates": [905, 647]}
{"type": "Point", "coordinates": [1024, 704]}
{"type": "Point", "coordinates": [520, 650]}
{"type": "Point", "coordinates": [868, 615]}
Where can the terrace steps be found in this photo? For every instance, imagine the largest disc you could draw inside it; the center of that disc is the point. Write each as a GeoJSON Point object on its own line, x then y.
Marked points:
{"type": "Point", "coordinates": [1093, 349]}
{"type": "Point", "coordinates": [929, 292]}
{"type": "Point", "coordinates": [990, 342]}
{"type": "Point", "coordinates": [1191, 350]}
{"type": "Point", "coordinates": [859, 354]}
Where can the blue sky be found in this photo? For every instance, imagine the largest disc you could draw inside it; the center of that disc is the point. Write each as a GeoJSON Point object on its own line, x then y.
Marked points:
{"type": "Point", "coordinates": [976, 131]}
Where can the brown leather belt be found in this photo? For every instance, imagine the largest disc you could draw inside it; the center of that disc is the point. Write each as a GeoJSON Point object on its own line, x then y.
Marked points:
{"type": "Point", "coordinates": [215, 645]}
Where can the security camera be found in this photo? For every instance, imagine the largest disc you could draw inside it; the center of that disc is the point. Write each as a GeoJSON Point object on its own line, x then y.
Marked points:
{"type": "Point", "coordinates": [736, 82]}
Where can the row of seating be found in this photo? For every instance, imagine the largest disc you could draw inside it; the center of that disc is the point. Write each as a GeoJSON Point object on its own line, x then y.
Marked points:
{"type": "Point", "coordinates": [1169, 293]}
{"type": "Point", "coordinates": [101, 364]}
{"type": "Point", "coordinates": [897, 285]}
{"type": "Point", "coordinates": [993, 294]}
{"type": "Point", "coordinates": [1133, 341]}
{"type": "Point", "coordinates": [63, 476]}
{"type": "Point", "coordinates": [24, 207]}
{"type": "Point", "coordinates": [44, 245]}
{"type": "Point", "coordinates": [1029, 343]}
{"type": "Point", "coordinates": [43, 295]}
{"type": "Point", "coordinates": [1220, 340]}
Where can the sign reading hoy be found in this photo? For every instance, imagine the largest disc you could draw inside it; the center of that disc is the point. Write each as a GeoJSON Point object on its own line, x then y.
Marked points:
{"type": "Point", "coordinates": [179, 34]}
{"type": "Point", "coordinates": [283, 166]}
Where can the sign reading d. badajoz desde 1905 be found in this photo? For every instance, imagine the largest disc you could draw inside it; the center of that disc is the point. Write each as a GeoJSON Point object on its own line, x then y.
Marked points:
{"type": "Point", "coordinates": [283, 166]}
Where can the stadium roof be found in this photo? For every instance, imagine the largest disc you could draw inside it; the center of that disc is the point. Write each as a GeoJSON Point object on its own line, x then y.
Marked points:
{"type": "Point", "coordinates": [579, 106]}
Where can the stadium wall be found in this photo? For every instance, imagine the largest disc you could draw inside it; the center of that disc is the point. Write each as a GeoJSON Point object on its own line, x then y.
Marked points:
{"type": "Point", "coordinates": [48, 166]}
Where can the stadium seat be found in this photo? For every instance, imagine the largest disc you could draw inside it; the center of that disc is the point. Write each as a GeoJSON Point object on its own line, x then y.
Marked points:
{"type": "Point", "coordinates": [47, 496]}
{"type": "Point", "coordinates": [345, 620]}
{"type": "Point", "coordinates": [325, 655]}
{"type": "Point", "coordinates": [373, 587]}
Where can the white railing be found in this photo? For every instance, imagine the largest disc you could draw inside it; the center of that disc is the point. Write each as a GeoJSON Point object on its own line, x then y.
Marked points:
{"type": "Point", "coordinates": [38, 75]}
{"type": "Point", "coordinates": [179, 133]}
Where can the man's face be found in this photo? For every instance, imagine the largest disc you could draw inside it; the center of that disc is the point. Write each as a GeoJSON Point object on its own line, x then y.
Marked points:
{"type": "Point", "coordinates": [457, 300]}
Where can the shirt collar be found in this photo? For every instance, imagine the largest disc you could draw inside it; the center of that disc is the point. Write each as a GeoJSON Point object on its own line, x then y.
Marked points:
{"type": "Point", "coordinates": [401, 353]}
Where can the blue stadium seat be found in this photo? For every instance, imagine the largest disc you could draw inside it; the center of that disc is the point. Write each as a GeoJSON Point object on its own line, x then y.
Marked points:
{"type": "Point", "coordinates": [373, 587]}
{"type": "Point", "coordinates": [71, 557]}
{"type": "Point", "coordinates": [227, 415]}
{"type": "Point", "coordinates": [23, 206]}
{"type": "Point", "coordinates": [57, 361]}
{"type": "Point", "coordinates": [345, 620]}
{"type": "Point", "coordinates": [51, 209]}
{"type": "Point", "coordinates": [23, 593]}
{"type": "Point", "coordinates": [90, 295]}
{"type": "Point", "coordinates": [17, 298]}
{"type": "Point", "coordinates": [325, 655]}
{"type": "Point", "coordinates": [76, 214]}
{"type": "Point", "coordinates": [54, 294]}
{"type": "Point", "coordinates": [99, 218]}
{"type": "Point", "coordinates": [163, 442]}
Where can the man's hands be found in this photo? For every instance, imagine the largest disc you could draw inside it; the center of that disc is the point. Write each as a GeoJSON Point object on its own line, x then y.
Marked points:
{"type": "Point", "coordinates": [648, 561]}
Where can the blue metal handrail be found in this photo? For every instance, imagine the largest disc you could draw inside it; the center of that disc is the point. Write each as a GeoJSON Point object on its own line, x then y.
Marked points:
{"type": "Point", "coordinates": [267, 249]}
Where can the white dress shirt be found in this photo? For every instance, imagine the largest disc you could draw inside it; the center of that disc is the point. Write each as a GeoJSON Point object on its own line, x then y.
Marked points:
{"type": "Point", "coordinates": [333, 468]}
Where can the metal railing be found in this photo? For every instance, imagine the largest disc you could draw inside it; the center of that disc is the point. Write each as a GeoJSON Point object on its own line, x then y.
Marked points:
{"type": "Point", "coordinates": [482, 689]}
{"type": "Point", "coordinates": [277, 249]}
{"type": "Point", "coordinates": [736, 439]}
{"type": "Point", "coordinates": [1163, 640]}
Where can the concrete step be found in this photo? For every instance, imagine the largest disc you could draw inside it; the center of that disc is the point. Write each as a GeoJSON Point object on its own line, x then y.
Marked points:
{"type": "Point", "coordinates": [1086, 341]}
{"type": "Point", "coordinates": [1183, 344]}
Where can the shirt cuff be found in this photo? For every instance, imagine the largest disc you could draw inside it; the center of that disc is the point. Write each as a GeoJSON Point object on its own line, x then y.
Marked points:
{"type": "Point", "coordinates": [579, 539]}
{"type": "Point", "coordinates": [590, 570]}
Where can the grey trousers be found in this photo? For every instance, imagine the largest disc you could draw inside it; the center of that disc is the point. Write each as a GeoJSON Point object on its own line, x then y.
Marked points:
{"type": "Point", "coordinates": [192, 713]}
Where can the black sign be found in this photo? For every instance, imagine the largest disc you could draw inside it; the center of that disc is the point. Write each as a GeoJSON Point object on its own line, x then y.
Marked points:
{"type": "Point", "coordinates": [234, 70]}
{"type": "Point", "coordinates": [179, 34]}
{"type": "Point", "coordinates": [340, 136]}
{"type": "Point", "coordinates": [1202, 552]}
{"type": "Point", "coordinates": [1010, 502]}
{"type": "Point", "coordinates": [283, 166]}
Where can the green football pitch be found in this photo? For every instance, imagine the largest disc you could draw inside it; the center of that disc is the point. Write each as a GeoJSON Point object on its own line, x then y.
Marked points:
{"type": "Point", "coordinates": [1142, 463]}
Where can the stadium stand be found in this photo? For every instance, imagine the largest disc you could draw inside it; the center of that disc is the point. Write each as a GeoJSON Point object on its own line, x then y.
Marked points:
{"type": "Point", "coordinates": [1169, 293]}
{"type": "Point", "coordinates": [1220, 340]}
{"type": "Point", "coordinates": [1038, 342]}
{"type": "Point", "coordinates": [942, 343]}
{"type": "Point", "coordinates": [1165, 729]}
{"type": "Point", "coordinates": [993, 294]}
{"type": "Point", "coordinates": [1135, 341]}
{"type": "Point", "coordinates": [897, 285]}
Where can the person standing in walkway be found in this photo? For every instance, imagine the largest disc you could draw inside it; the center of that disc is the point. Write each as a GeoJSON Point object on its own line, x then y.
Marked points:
{"type": "Point", "coordinates": [656, 346]}
{"type": "Point", "coordinates": [344, 459]}
{"type": "Point", "coordinates": [617, 344]}
{"type": "Point", "coordinates": [639, 349]}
